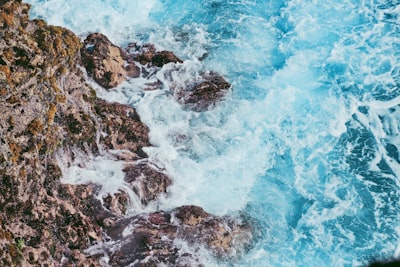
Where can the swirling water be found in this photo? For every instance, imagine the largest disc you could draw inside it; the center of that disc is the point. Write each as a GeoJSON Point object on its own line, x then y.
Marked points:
{"type": "Point", "coordinates": [307, 142]}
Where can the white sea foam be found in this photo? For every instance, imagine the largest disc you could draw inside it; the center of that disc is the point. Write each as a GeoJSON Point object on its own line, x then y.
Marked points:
{"type": "Point", "coordinates": [112, 18]}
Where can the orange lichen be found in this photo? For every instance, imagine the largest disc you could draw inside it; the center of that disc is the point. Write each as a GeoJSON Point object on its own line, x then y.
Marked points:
{"type": "Point", "coordinates": [51, 113]}
{"type": "Point", "coordinates": [15, 152]}
{"type": "Point", "coordinates": [6, 73]}
{"type": "Point", "coordinates": [7, 18]}
{"type": "Point", "coordinates": [60, 98]}
{"type": "Point", "coordinates": [35, 127]}
{"type": "Point", "coordinates": [54, 84]}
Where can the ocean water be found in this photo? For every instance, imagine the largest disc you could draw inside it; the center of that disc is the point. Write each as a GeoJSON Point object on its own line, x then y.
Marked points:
{"type": "Point", "coordinates": [307, 141]}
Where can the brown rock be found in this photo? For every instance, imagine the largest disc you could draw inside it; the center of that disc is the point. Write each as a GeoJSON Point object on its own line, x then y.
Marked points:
{"type": "Point", "coordinates": [147, 54]}
{"type": "Point", "coordinates": [150, 238]}
{"type": "Point", "coordinates": [122, 128]}
{"type": "Point", "coordinates": [117, 203]}
{"type": "Point", "coordinates": [45, 105]}
{"type": "Point", "coordinates": [103, 60]}
{"type": "Point", "coordinates": [201, 94]}
{"type": "Point", "coordinates": [164, 57]}
{"type": "Point", "coordinates": [147, 181]}
{"type": "Point", "coordinates": [132, 70]}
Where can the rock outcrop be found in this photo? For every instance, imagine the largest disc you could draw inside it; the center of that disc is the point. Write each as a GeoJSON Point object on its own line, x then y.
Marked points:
{"type": "Point", "coordinates": [122, 128]}
{"type": "Point", "coordinates": [48, 108]}
{"type": "Point", "coordinates": [110, 66]}
{"type": "Point", "coordinates": [197, 94]}
{"type": "Point", "coordinates": [150, 239]}
{"type": "Point", "coordinates": [147, 180]}
{"type": "Point", "coordinates": [103, 61]}
{"type": "Point", "coordinates": [41, 98]}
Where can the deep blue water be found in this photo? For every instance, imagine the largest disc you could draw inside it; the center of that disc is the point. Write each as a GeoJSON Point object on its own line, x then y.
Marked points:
{"type": "Point", "coordinates": [306, 144]}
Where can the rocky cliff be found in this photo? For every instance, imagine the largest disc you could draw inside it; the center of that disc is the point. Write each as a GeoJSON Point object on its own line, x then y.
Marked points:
{"type": "Point", "coordinates": [47, 108]}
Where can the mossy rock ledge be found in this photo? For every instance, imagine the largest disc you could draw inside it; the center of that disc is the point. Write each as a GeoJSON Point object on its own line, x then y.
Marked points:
{"type": "Point", "coordinates": [47, 108]}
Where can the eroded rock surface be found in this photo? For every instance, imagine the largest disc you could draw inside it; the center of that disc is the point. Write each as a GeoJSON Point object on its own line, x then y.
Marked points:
{"type": "Point", "coordinates": [148, 55]}
{"type": "Point", "coordinates": [147, 180]}
{"type": "Point", "coordinates": [150, 239]}
{"type": "Point", "coordinates": [103, 60]}
{"type": "Point", "coordinates": [202, 93]}
{"type": "Point", "coordinates": [38, 95]}
{"type": "Point", "coordinates": [47, 107]}
{"type": "Point", "coordinates": [122, 128]}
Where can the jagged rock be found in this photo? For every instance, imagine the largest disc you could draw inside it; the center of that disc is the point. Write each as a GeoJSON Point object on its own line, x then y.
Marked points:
{"type": "Point", "coordinates": [122, 128]}
{"type": "Point", "coordinates": [117, 203]}
{"type": "Point", "coordinates": [147, 54]}
{"type": "Point", "coordinates": [149, 239]}
{"type": "Point", "coordinates": [103, 60]}
{"type": "Point", "coordinates": [45, 106]}
{"type": "Point", "coordinates": [147, 180]}
{"type": "Point", "coordinates": [197, 94]}
{"type": "Point", "coordinates": [203, 92]}
{"type": "Point", "coordinates": [164, 57]}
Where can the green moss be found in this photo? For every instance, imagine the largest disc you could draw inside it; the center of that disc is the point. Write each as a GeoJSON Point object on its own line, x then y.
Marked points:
{"type": "Point", "coordinates": [20, 244]}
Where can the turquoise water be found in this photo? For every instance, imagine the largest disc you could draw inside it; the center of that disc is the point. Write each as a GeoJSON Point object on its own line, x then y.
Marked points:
{"type": "Point", "coordinates": [306, 143]}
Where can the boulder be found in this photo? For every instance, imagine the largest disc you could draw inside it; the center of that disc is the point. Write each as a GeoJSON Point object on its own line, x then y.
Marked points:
{"type": "Point", "coordinates": [148, 55]}
{"type": "Point", "coordinates": [202, 93]}
{"type": "Point", "coordinates": [103, 61]}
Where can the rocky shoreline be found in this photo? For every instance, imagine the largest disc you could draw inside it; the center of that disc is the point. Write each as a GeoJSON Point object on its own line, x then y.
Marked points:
{"type": "Point", "coordinates": [48, 109]}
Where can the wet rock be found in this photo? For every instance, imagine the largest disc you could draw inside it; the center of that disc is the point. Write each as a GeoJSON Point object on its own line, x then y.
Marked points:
{"type": "Point", "coordinates": [202, 93]}
{"type": "Point", "coordinates": [132, 70]}
{"type": "Point", "coordinates": [151, 239]}
{"type": "Point", "coordinates": [147, 54]}
{"type": "Point", "coordinates": [164, 57]}
{"type": "Point", "coordinates": [147, 180]}
{"type": "Point", "coordinates": [122, 128]}
{"type": "Point", "coordinates": [117, 204]}
{"type": "Point", "coordinates": [103, 60]}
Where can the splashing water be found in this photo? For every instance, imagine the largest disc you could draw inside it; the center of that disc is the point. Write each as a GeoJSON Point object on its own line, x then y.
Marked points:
{"type": "Point", "coordinates": [306, 144]}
